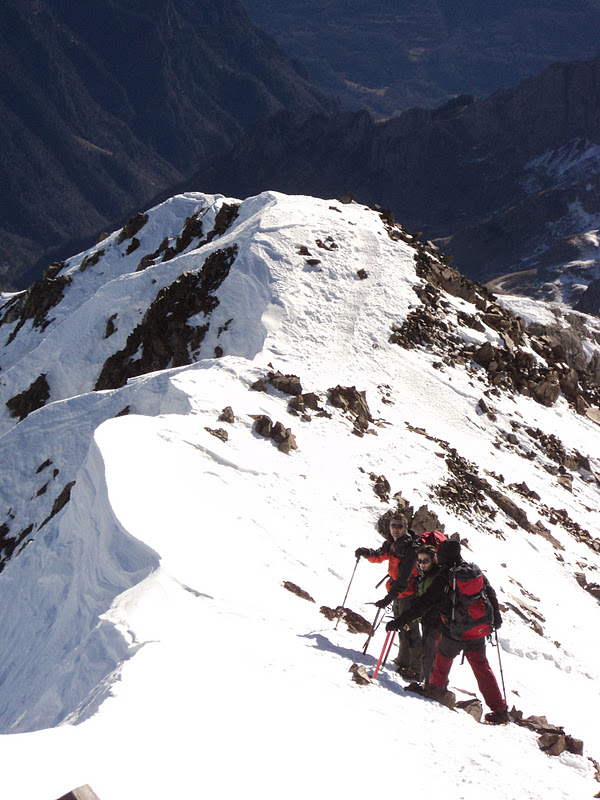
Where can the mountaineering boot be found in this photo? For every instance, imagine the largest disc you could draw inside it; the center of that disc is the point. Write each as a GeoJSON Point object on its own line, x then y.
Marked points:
{"type": "Point", "coordinates": [497, 717]}
{"type": "Point", "coordinates": [415, 687]}
{"type": "Point", "coordinates": [440, 695]}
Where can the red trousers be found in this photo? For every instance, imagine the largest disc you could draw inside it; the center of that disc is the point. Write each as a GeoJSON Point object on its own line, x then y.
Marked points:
{"type": "Point", "coordinates": [474, 651]}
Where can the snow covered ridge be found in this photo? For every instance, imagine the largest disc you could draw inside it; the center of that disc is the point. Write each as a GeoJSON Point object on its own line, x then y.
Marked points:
{"type": "Point", "coordinates": [148, 527]}
{"type": "Point", "coordinates": [149, 297]}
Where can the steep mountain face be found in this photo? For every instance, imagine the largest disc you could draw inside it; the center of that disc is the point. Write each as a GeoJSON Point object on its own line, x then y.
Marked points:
{"type": "Point", "coordinates": [217, 404]}
{"type": "Point", "coordinates": [104, 104]}
{"type": "Point", "coordinates": [500, 181]}
{"type": "Point", "coordinates": [390, 57]}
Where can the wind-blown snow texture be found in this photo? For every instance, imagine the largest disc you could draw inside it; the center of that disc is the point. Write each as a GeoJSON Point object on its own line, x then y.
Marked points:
{"type": "Point", "coordinates": [148, 645]}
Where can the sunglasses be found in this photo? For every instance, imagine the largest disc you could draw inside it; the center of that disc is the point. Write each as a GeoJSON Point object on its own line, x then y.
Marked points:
{"type": "Point", "coordinates": [423, 561]}
{"type": "Point", "coordinates": [399, 526]}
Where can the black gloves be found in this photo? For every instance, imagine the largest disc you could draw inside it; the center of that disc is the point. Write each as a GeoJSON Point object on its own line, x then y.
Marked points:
{"type": "Point", "coordinates": [392, 625]}
{"type": "Point", "coordinates": [363, 551]}
{"type": "Point", "coordinates": [382, 603]}
{"type": "Point", "coordinates": [402, 621]}
{"type": "Point", "coordinates": [497, 620]}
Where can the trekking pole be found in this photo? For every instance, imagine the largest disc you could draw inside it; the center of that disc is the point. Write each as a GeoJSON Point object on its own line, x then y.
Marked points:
{"type": "Point", "coordinates": [347, 591]}
{"type": "Point", "coordinates": [389, 649]}
{"type": "Point", "coordinates": [372, 631]}
{"type": "Point", "coordinates": [386, 649]}
{"type": "Point", "coordinates": [500, 665]}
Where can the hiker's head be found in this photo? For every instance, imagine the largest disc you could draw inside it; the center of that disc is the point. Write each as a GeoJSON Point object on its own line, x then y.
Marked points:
{"type": "Point", "coordinates": [425, 558]}
{"type": "Point", "coordinates": [398, 525]}
{"type": "Point", "coordinates": [448, 553]}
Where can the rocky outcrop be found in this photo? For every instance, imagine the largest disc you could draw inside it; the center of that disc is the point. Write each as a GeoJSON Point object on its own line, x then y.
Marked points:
{"type": "Point", "coordinates": [132, 227]}
{"type": "Point", "coordinates": [35, 396]}
{"type": "Point", "coordinates": [164, 338]}
{"type": "Point", "coordinates": [35, 303]}
{"type": "Point", "coordinates": [294, 589]}
{"type": "Point", "coordinates": [552, 739]}
{"type": "Point", "coordinates": [559, 363]}
{"type": "Point", "coordinates": [354, 403]}
{"type": "Point", "coordinates": [60, 502]}
{"type": "Point", "coordinates": [282, 436]}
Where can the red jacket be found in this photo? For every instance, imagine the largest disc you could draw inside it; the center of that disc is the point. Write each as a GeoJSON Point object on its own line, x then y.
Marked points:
{"type": "Point", "coordinates": [401, 556]}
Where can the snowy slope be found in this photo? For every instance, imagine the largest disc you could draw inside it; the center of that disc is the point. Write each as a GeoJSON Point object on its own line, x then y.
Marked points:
{"type": "Point", "coordinates": [150, 648]}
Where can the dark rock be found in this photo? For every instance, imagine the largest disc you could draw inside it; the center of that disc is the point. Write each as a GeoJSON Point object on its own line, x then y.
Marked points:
{"type": "Point", "coordinates": [350, 399]}
{"type": "Point", "coordinates": [133, 246]}
{"type": "Point", "coordinates": [288, 443]}
{"type": "Point", "coordinates": [311, 401]}
{"type": "Point", "coordinates": [288, 384]}
{"type": "Point", "coordinates": [227, 415]}
{"type": "Point", "coordinates": [424, 520]}
{"type": "Point", "coordinates": [381, 487]}
{"type": "Point", "coordinates": [291, 587]}
{"type": "Point", "coordinates": [132, 227]}
{"type": "Point", "coordinates": [164, 339]}
{"type": "Point", "coordinates": [547, 392]}
{"type": "Point", "coordinates": [110, 326]}
{"type": "Point", "coordinates": [328, 244]}
{"type": "Point", "coordinates": [91, 260]}
{"type": "Point", "coordinates": [472, 707]}
{"type": "Point", "coordinates": [32, 398]}
{"type": "Point", "coordinates": [263, 425]}
{"type": "Point", "coordinates": [355, 622]}
{"type": "Point", "coordinates": [552, 743]}
{"type": "Point", "coordinates": [220, 433]}
{"type": "Point", "coordinates": [359, 675]}
{"type": "Point", "coordinates": [60, 502]}
{"type": "Point", "coordinates": [226, 215]}
{"type": "Point", "coordinates": [34, 304]}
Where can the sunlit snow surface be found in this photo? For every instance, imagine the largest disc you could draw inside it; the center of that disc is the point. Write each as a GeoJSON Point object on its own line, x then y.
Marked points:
{"type": "Point", "coordinates": [148, 646]}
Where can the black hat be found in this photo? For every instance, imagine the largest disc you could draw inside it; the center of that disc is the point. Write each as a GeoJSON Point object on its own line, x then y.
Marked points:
{"type": "Point", "coordinates": [449, 553]}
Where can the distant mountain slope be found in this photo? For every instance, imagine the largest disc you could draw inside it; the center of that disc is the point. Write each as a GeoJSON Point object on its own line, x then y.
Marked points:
{"type": "Point", "coordinates": [500, 180]}
{"type": "Point", "coordinates": [106, 103]}
{"type": "Point", "coordinates": [390, 56]}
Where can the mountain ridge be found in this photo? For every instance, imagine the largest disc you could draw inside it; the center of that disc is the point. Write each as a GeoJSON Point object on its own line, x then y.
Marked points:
{"type": "Point", "coordinates": [149, 527]}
